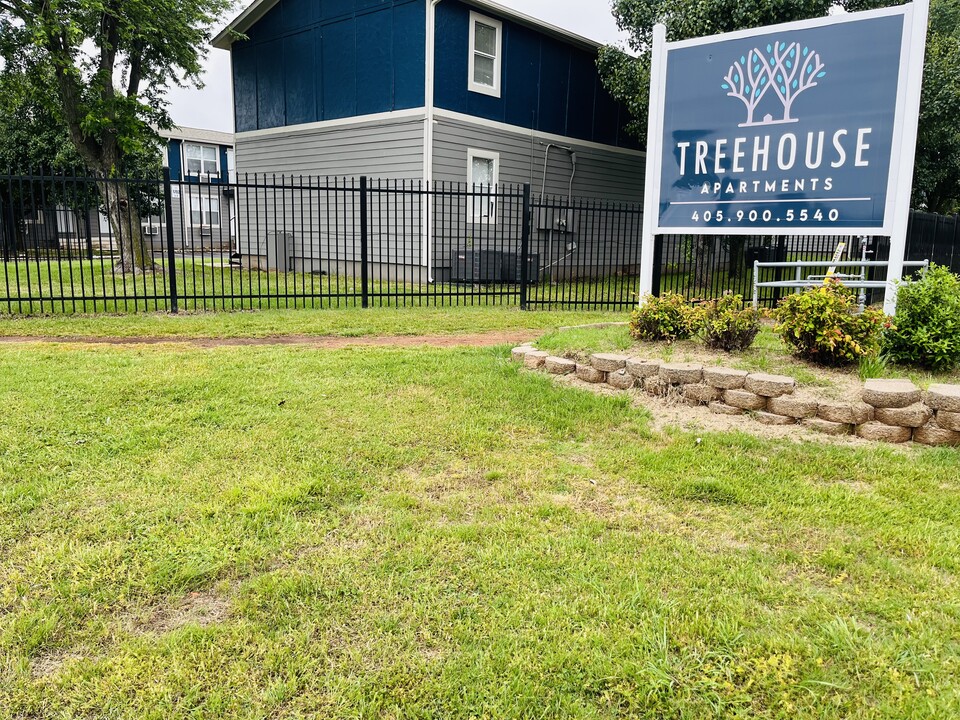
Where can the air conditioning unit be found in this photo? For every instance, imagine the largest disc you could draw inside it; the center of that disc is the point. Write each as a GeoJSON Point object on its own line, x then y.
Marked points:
{"type": "Point", "coordinates": [492, 266]}
{"type": "Point", "coordinates": [477, 266]}
{"type": "Point", "coordinates": [511, 268]}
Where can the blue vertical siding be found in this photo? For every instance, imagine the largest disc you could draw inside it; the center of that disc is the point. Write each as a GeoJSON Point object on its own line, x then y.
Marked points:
{"type": "Point", "coordinates": [547, 84]}
{"type": "Point", "coordinates": [300, 85]}
{"type": "Point", "coordinates": [338, 67]}
{"type": "Point", "coordinates": [306, 61]}
{"type": "Point", "coordinates": [175, 160]}
{"type": "Point", "coordinates": [224, 178]}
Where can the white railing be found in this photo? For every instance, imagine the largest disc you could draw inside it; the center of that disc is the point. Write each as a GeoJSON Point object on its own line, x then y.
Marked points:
{"type": "Point", "coordinates": [799, 282]}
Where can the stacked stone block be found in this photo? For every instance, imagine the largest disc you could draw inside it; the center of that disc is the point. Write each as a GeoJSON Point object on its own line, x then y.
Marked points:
{"type": "Point", "coordinates": [889, 411]}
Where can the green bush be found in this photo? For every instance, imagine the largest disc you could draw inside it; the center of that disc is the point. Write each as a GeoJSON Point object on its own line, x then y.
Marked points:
{"type": "Point", "coordinates": [668, 317]}
{"type": "Point", "coordinates": [822, 325]}
{"type": "Point", "coordinates": [926, 328]}
{"type": "Point", "coordinates": [728, 325]}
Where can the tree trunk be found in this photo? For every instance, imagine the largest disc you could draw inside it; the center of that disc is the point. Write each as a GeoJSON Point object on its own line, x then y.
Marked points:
{"type": "Point", "coordinates": [703, 264]}
{"type": "Point", "coordinates": [736, 246]}
{"type": "Point", "coordinates": [135, 256]}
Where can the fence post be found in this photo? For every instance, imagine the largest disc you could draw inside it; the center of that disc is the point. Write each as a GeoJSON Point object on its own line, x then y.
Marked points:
{"type": "Point", "coordinates": [89, 233]}
{"type": "Point", "coordinates": [657, 265]}
{"type": "Point", "coordinates": [525, 245]}
{"type": "Point", "coordinates": [168, 216]}
{"type": "Point", "coordinates": [364, 232]}
{"type": "Point", "coordinates": [780, 255]}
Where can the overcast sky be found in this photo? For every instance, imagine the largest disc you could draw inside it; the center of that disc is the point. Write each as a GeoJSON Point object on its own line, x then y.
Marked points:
{"type": "Point", "coordinates": [212, 107]}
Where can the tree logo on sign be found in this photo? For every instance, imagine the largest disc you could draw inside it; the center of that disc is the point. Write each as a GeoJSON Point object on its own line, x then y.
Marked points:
{"type": "Point", "coordinates": [789, 69]}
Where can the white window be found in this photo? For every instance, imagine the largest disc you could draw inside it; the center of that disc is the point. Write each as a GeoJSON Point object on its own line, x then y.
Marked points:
{"type": "Point", "coordinates": [483, 174]}
{"type": "Point", "coordinates": [486, 45]}
{"type": "Point", "coordinates": [205, 211]}
{"type": "Point", "coordinates": [201, 159]}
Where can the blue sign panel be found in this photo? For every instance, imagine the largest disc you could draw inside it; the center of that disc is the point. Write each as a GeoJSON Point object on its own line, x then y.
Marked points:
{"type": "Point", "coordinates": [781, 130]}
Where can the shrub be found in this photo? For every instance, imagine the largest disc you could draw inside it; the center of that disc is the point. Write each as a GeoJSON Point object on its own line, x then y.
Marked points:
{"type": "Point", "coordinates": [668, 317]}
{"type": "Point", "coordinates": [927, 325]}
{"type": "Point", "coordinates": [728, 325]}
{"type": "Point", "coordinates": [822, 325]}
{"type": "Point", "coordinates": [872, 366]}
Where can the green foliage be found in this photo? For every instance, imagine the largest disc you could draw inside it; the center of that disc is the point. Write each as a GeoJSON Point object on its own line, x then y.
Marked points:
{"type": "Point", "coordinates": [927, 325]}
{"type": "Point", "coordinates": [178, 543]}
{"type": "Point", "coordinates": [937, 176]}
{"type": "Point", "coordinates": [728, 325]}
{"type": "Point", "coordinates": [822, 325]}
{"type": "Point", "coordinates": [101, 68]}
{"type": "Point", "coordinates": [872, 366]}
{"type": "Point", "coordinates": [668, 317]}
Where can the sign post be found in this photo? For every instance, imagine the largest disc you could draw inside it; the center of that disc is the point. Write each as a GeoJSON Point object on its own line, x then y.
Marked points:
{"type": "Point", "coordinates": [802, 128]}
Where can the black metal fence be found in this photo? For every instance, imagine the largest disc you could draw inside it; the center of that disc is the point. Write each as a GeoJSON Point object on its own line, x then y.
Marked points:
{"type": "Point", "coordinates": [703, 267]}
{"type": "Point", "coordinates": [72, 244]}
{"type": "Point", "coordinates": [936, 238]}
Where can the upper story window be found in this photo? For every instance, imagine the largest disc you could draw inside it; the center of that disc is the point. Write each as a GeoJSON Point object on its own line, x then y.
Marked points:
{"type": "Point", "coordinates": [486, 50]}
{"type": "Point", "coordinates": [201, 159]}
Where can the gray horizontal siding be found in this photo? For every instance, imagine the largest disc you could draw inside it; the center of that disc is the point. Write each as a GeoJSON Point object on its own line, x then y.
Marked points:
{"type": "Point", "coordinates": [386, 149]}
{"type": "Point", "coordinates": [324, 223]}
{"type": "Point", "coordinates": [322, 226]}
{"type": "Point", "coordinates": [607, 191]}
{"type": "Point", "coordinates": [601, 174]}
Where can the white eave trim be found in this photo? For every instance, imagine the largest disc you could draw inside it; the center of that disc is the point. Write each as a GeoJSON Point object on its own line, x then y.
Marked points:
{"type": "Point", "coordinates": [245, 20]}
{"type": "Point", "coordinates": [413, 115]}
{"type": "Point", "coordinates": [526, 132]}
{"type": "Point", "coordinates": [242, 22]}
{"type": "Point", "coordinates": [535, 23]}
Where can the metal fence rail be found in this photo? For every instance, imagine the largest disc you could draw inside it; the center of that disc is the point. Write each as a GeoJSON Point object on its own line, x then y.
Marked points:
{"type": "Point", "coordinates": [281, 241]}
{"type": "Point", "coordinates": [269, 241]}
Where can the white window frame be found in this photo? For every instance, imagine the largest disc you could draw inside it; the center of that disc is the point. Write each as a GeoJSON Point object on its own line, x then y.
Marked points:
{"type": "Point", "coordinates": [203, 170]}
{"type": "Point", "coordinates": [472, 215]}
{"type": "Point", "coordinates": [472, 85]}
{"type": "Point", "coordinates": [204, 206]}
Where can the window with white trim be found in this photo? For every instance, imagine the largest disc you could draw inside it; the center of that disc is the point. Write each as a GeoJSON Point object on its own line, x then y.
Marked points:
{"type": "Point", "coordinates": [201, 159]}
{"type": "Point", "coordinates": [205, 211]}
{"type": "Point", "coordinates": [486, 50]}
{"type": "Point", "coordinates": [483, 174]}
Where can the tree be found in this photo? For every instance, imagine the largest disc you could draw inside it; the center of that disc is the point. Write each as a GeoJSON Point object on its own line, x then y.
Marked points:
{"type": "Point", "coordinates": [110, 62]}
{"type": "Point", "coordinates": [627, 77]}
{"type": "Point", "coordinates": [33, 140]}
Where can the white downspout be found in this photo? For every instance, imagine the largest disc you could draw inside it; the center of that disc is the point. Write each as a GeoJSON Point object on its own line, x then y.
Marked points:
{"type": "Point", "coordinates": [428, 123]}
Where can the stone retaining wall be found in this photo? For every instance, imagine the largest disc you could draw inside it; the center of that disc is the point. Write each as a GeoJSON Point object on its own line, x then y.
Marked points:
{"type": "Point", "coordinates": [893, 411]}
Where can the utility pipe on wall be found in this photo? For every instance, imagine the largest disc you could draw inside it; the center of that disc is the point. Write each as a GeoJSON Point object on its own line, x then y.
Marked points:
{"type": "Point", "coordinates": [543, 193]}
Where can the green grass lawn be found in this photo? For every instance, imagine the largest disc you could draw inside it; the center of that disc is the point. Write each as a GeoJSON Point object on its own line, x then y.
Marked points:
{"type": "Point", "coordinates": [46, 285]}
{"type": "Point", "coordinates": [282, 532]}
{"type": "Point", "coordinates": [344, 322]}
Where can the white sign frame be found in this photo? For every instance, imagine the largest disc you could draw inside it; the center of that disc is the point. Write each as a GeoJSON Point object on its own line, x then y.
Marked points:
{"type": "Point", "coordinates": [900, 174]}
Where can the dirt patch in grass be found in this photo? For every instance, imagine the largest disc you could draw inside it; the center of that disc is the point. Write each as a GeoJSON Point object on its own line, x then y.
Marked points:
{"type": "Point", "coordinates": [203, 609]}
{"type": "Point", "coordinates": [485, 339]}
{"type": "Point", "coordinates": [49, 664]}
